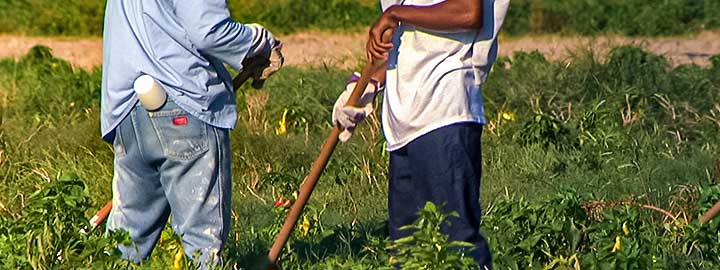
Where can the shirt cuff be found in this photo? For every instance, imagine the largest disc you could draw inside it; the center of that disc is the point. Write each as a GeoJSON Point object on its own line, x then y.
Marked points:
{"type": "Point", "coordinates": [263, 41]}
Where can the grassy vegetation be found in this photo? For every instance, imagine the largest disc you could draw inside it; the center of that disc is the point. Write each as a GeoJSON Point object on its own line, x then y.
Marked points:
{"type": "Point", "coordinates": [286, 16]}
{"type": "Point", "coordinates": [572, 153]}
{"type": "Point", "coordinates": [39, 17]}
{"type": "Point", "coordinates": [585, 17]}
{"type": "Point", "coordinates": [627, 17]}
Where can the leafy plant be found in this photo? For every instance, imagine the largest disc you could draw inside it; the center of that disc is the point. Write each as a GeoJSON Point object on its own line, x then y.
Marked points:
{"type": "Point", "coordinates": [426, 247]}
{"type": "Point", "coordinates": [51, 232]}
{"type": "Point", "coordinates": [545, 130]}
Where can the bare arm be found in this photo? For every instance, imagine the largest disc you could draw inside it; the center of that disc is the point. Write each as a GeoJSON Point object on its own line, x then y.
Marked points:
{"type": "Point", "coordinates": [379, 75]}
{"type": "Point", "coordinates": [445, 16]}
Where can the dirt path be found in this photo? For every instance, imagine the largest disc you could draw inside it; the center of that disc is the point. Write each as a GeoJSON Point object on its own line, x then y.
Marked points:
{"type": "Point", "coordinates": [695, 49]}
{"type": "Point", "coordinates": [86, 53]}
{"type": "Point", "coordinates": [346, 50]}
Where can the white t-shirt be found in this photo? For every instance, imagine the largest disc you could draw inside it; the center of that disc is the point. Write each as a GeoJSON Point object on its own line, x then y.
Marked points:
{"type": "Point", "coordinates": [434, 78]}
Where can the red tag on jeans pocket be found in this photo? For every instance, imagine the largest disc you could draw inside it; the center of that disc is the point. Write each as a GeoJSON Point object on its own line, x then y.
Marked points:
{"type": "Point", "coordinates": [180, 121]}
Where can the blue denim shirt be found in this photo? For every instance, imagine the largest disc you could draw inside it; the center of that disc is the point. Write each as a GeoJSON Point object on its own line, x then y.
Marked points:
{"type": "Point", "coordinates": [184, 45]}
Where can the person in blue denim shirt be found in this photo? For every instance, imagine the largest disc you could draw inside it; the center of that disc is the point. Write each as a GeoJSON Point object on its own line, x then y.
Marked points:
{"type": "Point", "coordinates": [175, 160]}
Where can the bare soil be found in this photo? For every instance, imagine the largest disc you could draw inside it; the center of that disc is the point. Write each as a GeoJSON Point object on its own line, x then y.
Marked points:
{"type": "Point", "coordinates": [346, 50]}
{"type": "Point", "coordinates": [695, 49]}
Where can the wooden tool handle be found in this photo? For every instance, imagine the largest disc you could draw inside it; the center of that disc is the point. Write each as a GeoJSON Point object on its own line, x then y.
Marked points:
{"type": "Point", "coordinates": [710, 214]}
{"type": "Point", "coordinates": [320, 162]}
{"type": "Point", "coordinates": [317, 168]}
{"type": "Point", "coordinates": [240, 79]}
{"type": "Point", "coordinates": [245, 75]}
{"type": "Point", "coordinates": [101, 215]}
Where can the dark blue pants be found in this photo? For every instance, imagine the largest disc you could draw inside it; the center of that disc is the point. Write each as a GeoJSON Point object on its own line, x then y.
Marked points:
{"type": "Point", "coordinates": [444, 167]}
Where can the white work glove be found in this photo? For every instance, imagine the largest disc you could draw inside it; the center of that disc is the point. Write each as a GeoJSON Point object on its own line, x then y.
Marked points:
{"type": "Point", "coordinates": [275, 59]}
{"type": "Point", "coordinates": [348, 116]}
{"type": "Point", "coordinates": [266, 61]}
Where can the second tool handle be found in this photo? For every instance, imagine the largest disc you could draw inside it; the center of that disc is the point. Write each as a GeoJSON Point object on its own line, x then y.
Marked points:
{"type": "Point", "coordinates": [320, 163]}
{"type": "Point", "coordinates": [317, 168]}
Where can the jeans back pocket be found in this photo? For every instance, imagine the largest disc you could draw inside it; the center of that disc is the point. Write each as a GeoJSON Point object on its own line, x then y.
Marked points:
{"type": "Point", "coordinates": [182, 136]}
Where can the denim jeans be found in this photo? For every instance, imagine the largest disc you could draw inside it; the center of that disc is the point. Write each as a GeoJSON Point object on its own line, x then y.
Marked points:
{"type": "Point", "coordinates": [444, 167]}
{"type": "Point", "coordinates": [169, 162]}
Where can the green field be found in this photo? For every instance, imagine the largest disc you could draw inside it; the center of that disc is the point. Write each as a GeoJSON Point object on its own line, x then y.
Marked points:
{"type": "Point", "coordinates": [572, 152]}
{"type": "Point", "coordinates": [585, 17]}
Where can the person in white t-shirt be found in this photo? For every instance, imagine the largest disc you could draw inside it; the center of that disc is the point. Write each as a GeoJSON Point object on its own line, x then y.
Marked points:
{"type": "Point", "coordinates": [432, 115]}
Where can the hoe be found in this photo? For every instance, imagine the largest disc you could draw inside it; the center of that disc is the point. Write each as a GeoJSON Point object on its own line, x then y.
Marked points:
{"type": "Point", "coordinates": [310, 181]}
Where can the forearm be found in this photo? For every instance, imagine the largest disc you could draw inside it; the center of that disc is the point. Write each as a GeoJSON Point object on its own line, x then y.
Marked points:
{"type": "Point", "coordinates": [212, 31]}
{"type": "Point", "coordinates": [379, 75]}
{"type": "Point", "coordinates": [445, 16]}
